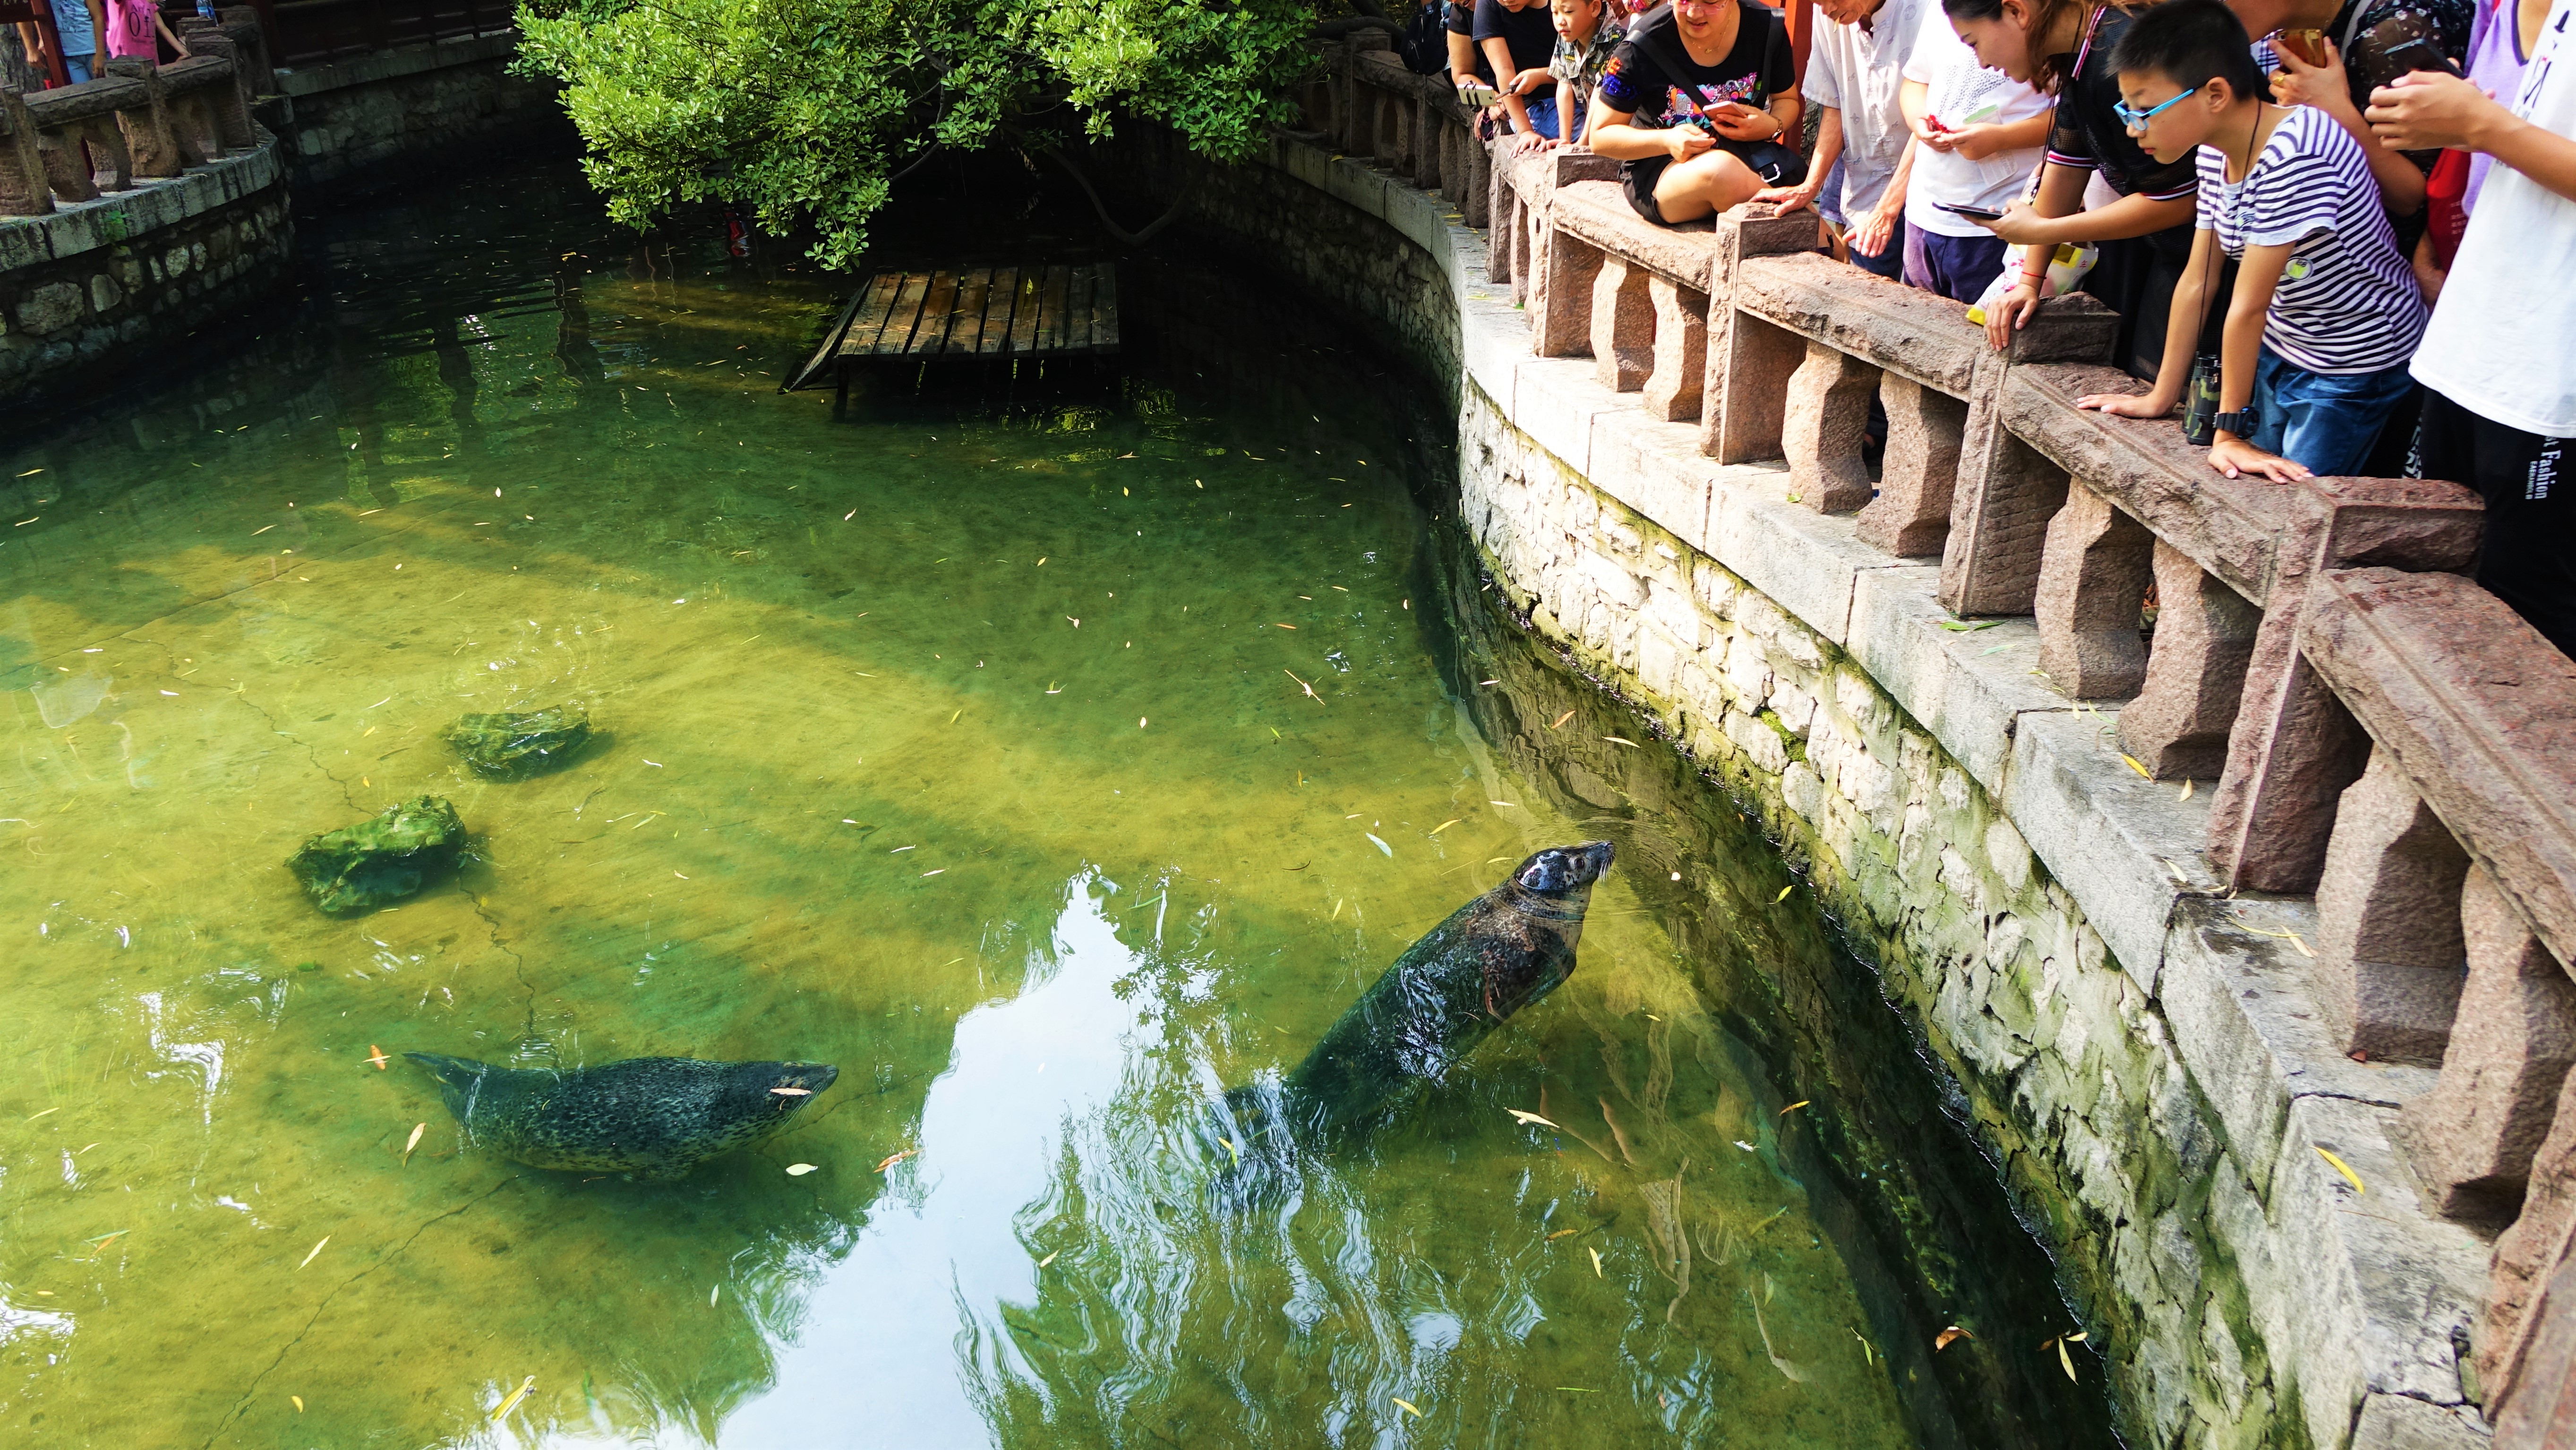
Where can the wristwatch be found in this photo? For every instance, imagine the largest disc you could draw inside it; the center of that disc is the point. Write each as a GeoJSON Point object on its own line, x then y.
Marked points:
{"type": "Point", "coordinates": [2242, 422]}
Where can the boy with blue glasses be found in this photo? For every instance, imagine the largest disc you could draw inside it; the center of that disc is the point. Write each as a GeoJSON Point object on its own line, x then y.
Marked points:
{"type": "Point", "coordinates": [2324, 313]}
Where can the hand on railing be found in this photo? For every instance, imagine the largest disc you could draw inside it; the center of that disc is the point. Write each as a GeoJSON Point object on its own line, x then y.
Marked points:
{"type": "Point", "coordinates": [2153, 403]}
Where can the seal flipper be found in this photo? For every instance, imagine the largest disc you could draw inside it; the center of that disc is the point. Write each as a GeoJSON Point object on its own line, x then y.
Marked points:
{"type": "Point", "coordinates": [460, 1082]}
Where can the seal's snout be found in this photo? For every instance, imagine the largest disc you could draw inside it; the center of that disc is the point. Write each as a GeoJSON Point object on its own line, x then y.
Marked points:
{"type": "Point", "coordinates": [1560, 869]}
{"type": "Point", "coordinates": [813, 1077]}
{"type": "Point", "coordinates": [1596, 858]}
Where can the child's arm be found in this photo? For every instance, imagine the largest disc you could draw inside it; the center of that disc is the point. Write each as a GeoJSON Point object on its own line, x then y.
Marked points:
{"type": "Point", "coordinates": [2429, 274]}
{"type": "Point", "coordinates": [2182, 334]}
{"type": "Point", "coordinates": [176, 43]}
{"type": "Point", "coordinates": [2256, 277]}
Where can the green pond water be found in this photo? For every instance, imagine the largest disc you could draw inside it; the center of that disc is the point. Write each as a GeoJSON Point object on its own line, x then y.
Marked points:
{"type": "Point", "coordinates": [960, 737]}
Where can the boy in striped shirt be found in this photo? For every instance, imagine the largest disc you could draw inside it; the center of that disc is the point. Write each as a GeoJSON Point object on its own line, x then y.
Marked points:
{"type": "Point", "coordinates": [2325, 312]}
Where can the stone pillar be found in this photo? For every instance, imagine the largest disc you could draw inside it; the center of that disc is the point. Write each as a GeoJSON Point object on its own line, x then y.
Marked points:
{"type": "Point", "coordinates": [1911, 515]}
{"type": "Point", "coordinates": [2177, 727]}
{"type": "Point", "coordinates": [149, 138]}
{"type": "Point", "coordinates": [1749, 360]}
{"type": "Point", "coordinates": [2292, 751]}
{"type": "Point", "coordinates": [1560, 303]}
{"type": "Point", "coordinates": [1428, 153]}
{"type": "Point", "coordinates": [2526, 1256]}
{"type": "Point", "coordinates": [2006, 493]}
{"type": "Point", "coordinates": [2092, 581]}
{"type": "Point", "coordinates": [1623, 325]}
{"type": "Point", "coordinates": [1821, 422]}
{"type": "Point", "coordinates": [1503, 219]}
{"type": "Point", "coordinates": [1672, 390]}
{"type": "Point", "coordinates": [1475, 201]}
{"type": "Point", "coordinates": [24, 190]}
{"type": "Point", "coordinates": [2389, 949]}
{"type": "Point", "coordinates": [2511, 1044]}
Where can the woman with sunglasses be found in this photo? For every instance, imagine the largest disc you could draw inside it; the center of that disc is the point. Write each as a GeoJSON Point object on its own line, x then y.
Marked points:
{"type": "Point", "coordinates": [2062, 49]}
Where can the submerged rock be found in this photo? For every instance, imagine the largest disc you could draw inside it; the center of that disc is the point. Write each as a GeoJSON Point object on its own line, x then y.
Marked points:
{"type": "Point", "coordinates": [515, 745]}
{"type": "Point", "coordinates": [380, 860]}
{"type": "Point", "coordinates": [655, 1117]}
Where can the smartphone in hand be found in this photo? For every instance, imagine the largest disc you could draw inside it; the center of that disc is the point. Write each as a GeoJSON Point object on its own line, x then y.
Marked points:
{"type": "Point", "coordinates": [1972, 213]}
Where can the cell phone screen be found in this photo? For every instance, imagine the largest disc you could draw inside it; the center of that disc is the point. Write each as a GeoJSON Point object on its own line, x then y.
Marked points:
{"type": "Point", "coordinates": [1972, 213]}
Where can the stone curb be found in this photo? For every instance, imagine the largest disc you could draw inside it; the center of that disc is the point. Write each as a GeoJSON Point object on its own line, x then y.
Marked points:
{"type": "Point", "coordinates": [77, 227]}
{"type": "Point", "coordinates": [2357, 1300]}
{"type": "Point", "coordinates": [385, 65]}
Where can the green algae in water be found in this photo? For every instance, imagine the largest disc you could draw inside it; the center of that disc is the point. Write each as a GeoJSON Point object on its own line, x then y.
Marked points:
{"type": "Point", "coordinates": [898, 814]}
{"type": "Point", "coordinates": [510, 747]}
{"type": "Point", "coordinates": [380, 860]}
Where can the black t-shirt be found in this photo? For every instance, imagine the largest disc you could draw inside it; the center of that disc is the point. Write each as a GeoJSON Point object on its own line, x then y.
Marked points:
{"type": "Point", "coordinates": [1530, 33]}
{"type": "Point", "coordinates": [1653, 79]}
{"type": "Point", "coordinates": [2090, 135]}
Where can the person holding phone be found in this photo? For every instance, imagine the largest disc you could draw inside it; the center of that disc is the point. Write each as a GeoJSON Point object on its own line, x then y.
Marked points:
{"type": "Point", "coordinates": [2499, 376]}
{"type": "Point", "coordinates": [1697, 102]}
{"type": "Point", "coordinates": [1978, 135]}
{"type": "Point", "coordinates": [1517, 40]}
{"type": "Point", "coordinates": [2332, 55]}
{"type": "Point", "coordinates": [1855, 67]}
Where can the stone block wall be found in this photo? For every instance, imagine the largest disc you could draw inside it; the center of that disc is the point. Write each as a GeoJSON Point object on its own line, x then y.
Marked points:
{"type": "Point", "coordinates": [92, 288]}
{"type": "Point", "coordinates": [423, 104]}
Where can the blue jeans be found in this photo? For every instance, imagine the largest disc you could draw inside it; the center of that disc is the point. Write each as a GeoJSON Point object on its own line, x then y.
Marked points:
{"type": "Point", "coordinates": [77, 67]}
{"type": "Point", "coordinates": [2325, 422]}
{"type": "Point", "coordinates": [1542, 114]}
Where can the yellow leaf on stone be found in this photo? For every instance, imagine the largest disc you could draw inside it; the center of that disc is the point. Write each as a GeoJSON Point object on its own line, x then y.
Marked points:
{"type": "Point", "coordinates": [2343, 1168]}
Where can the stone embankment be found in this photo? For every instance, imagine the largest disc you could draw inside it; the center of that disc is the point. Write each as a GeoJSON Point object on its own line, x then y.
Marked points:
{"type": "Point", "coordinates": [2246, 939]}
{"type": "Point", "coordinates": [154, 202]}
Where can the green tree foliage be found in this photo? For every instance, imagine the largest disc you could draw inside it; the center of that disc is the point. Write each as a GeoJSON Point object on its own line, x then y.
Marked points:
{"type": "Point", "coordinates": [806, 110]}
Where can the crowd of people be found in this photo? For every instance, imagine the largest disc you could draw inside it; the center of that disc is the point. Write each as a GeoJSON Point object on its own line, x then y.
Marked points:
{"type": "Point", "coordinates": [84, 34]}
{"type": "Point", "coordinates": [2330, 228]}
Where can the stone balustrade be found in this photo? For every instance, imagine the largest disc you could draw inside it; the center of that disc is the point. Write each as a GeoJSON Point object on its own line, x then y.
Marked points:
{"type": "Point", "coordinates": [138, 123]}
{"type": "Point", "coordinates": [2375, 729]}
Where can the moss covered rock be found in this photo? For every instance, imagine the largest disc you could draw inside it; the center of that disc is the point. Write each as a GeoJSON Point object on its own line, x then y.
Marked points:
{"type": "Point", "coordinates": [509, 746]}
{"type": "Point", "coordinates": [385, 859]}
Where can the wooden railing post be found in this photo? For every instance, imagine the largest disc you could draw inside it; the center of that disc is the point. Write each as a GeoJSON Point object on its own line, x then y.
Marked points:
{"type": "Point", "coordinates": [2092, 581]}
{"type": "Point", "coordinates": [2388, 921]}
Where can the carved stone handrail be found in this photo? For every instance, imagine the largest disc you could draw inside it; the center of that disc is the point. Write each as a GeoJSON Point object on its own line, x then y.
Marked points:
{"type": "Point", "coordinates": [139, 121]}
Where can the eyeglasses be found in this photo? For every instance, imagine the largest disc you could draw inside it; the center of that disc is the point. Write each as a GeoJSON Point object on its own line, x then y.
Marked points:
{"type": "Point", "coordinates": [2136, 120]}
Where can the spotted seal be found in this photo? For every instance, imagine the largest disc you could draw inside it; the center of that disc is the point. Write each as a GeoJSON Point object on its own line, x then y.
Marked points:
{"type": "Point", "coordinates": [654, 1117]}
{"type": "Point", "coordinates": [1448, 992]}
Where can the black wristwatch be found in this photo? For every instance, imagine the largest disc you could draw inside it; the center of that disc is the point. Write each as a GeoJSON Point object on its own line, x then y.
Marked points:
{"type": "Point", "coordinates": [2242, 422]}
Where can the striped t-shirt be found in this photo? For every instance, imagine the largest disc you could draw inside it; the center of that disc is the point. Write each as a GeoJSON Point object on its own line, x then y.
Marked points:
{"type": "Point", "coordinates": [2347, 302]}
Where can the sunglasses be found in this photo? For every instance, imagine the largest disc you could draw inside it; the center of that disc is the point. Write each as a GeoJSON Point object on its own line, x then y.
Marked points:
{"type": "Point", "coordinates": [2136, 120]}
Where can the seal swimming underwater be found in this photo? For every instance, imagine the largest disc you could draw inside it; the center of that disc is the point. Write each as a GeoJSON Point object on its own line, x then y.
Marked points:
{"type": "Point", "coordinates": [654, 1117]}
{"type": "Point", "coordinates": [1448, 992]}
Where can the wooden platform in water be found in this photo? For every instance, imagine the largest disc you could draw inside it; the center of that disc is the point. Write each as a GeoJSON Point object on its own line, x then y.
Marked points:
{"type": "Point", "coordinates": [997, 312]}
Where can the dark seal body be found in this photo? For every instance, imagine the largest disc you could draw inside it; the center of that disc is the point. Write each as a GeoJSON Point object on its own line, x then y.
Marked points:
{"type": "Point", "coordinates": [655, 1117]}
{"type": "Point", "coordinates": [1448, 992]}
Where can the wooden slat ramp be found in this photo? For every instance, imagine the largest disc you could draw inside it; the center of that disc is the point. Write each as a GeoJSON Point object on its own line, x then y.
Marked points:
{"type": "Point", "coordinates": [986, 312]}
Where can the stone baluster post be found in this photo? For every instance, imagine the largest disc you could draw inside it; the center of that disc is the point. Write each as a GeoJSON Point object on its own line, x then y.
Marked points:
{"type": "Point", "coordinates": [1920, 469]}
{"type": "Point", "coordinates": [1680, 361]}
{"type": "Point", "coordinates": [1749, 360]}
{"type": "Point", "coordinates": [1821, 421]}
{"type": "Point", "coordinates": [2177, 727]}
{"type": "Point", "coordinates": [2006, 493]}
{"type": "Point", "coordinates": [1623, 325]}
{"type": "Point", "coordinates": [149, 136]}
{"type": "Point", "coordinates": [2537, 1246]}
{"type": "Point", "coordinates": [2511, 1045]}
{"type": "Point", "coordinates": [24, 190]}
{"type": "Point", "coordinates": [2389, 949]}
{"type": "Point", "coordinates": [2092, 580]}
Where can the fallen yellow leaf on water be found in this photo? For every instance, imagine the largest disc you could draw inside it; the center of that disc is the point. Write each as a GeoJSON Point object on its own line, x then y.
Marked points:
{"type": "Point", "coordinates": [2079, 1336]}
{"type": "Point", "coordinates": [897, 1158]}
{"type": "Point", "coordinates": [31, 1117]}
{"type": "Point", "coordinates": [2143, 772]}
{"type": "Point", "coordinates": [376, 1055]}
{"type": "Point", "coordinates": [2066, 1359]}
{"type": "Point", "coordinates": [1529, 1117]}
{"type": "Point", "coordinates": [1561, 719]}
{"type": "Point", "coordinates": [299, 1403]}
{"type": "Point", "coordinates": [2343, 1168]}
{"type": "Point", "coordinates": [1407, 1407]}
{"type": "Point", "coordinates": [317, 1250]}
{"type": "Point", "coordinates": [416, 1130]}
{"type": "Point", "coordinates": [1596, 1262]}
{"type": "Point", "coordinates": [516, 1395]}
{"type": "Point", "coordinates": [1784, 893]}
{"type": "Point", "coordinates": [1621, 740]}
{"type": "Point", "coordinates": [1444, 825]}
{"type": "Point", "coordinates": [1949, 1336]}
{"type": "Point", "coordinates": [1560, 1233]}
{"type": "Point", "coordinates": [1793, 1107]}
{"type": "Point", "coordinates": [799, 1170]}
{"type": "Point", "coordinates": [1049, 1259]}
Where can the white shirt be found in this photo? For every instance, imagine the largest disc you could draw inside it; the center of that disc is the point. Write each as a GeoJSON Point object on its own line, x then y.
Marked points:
{"type": "Point", "coordinates": [2502, 342]}
{"type": "Point", "coordinates": [1856, 71]}
{"type": "Point", "coordinates": [1963, 93]}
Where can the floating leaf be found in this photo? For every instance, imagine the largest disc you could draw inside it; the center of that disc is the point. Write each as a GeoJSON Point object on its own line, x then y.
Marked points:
{"type": "Point", "coordinates": [317, 1250]}
{"type": "Point", "coordinates": [1949, 1336]}
{"type": "Point", "coordinates": [896, 1158]}
{"type": "Point", "coordinates": [516, 1395]}
{"type": "Point", "coordinates": [1622, 740]}
{"type": "Point", "coordinates": [1560, 1233]}
{"type": "Point", "coordinates": [1381, 845]}
{"type": "Point", "coordinates": [1793, 1107]}
{"type": "Point", "coordinates": [1529, 1117]}
{"type": "Point", "coordinates": [1561, 719]}
{"type": "Point", "coordinates": [1596, 1262]}
{"type": "Point", "coordinates": [793, 1092]}
{"type": "Point", "coordinates": [414, 1141]}
{"type": "Point", "coordinates": [376, 1055]}
{"type": "Point", "coordinates": [1444, 825]}
{"type": "Point", "coordinates": [1049, 1259]}
{"type": "Point", "coordinates": [2343, 1168]}
{"type": "Point", "coordinates": [799, 1170]}
{"type": "Point", "coordinates": [1784, 893]}
{"type": "Point", "coordinates": [298, 1401]}
{"type": "Point", "coordinates": [2066, 1359]}
{"type": "Point", "coordinates": [1407, 1407]}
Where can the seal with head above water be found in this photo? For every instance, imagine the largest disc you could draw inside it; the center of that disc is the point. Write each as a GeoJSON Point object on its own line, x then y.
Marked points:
{"type": "Point", "coordinates": [654, 1117]}
{"type": "Point", "coordinates": [1448, 992]}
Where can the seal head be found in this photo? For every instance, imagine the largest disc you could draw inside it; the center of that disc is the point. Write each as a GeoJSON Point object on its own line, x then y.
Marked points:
{"type": "Point", "coordinates": [654, 1117]}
